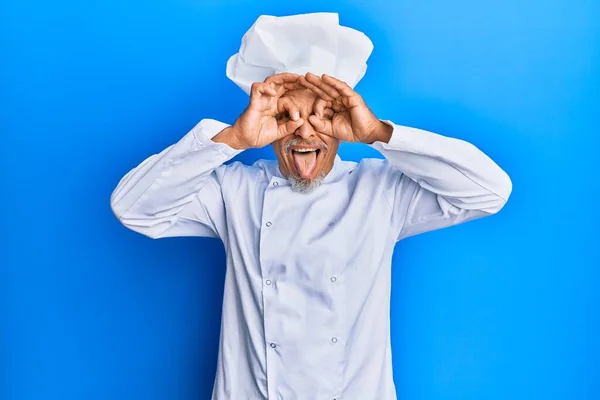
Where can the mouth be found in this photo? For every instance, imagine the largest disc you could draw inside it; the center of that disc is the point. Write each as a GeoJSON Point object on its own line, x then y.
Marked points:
{"type": "Point", "coordinates": [306, 158]}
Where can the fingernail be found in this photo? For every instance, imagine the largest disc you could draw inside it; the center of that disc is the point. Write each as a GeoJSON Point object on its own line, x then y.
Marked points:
{"type": "Point", "coordinates": [296, 115]}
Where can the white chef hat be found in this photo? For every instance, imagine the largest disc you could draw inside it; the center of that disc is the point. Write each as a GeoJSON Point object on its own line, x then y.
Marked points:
{"type": "Point", "coordinates": [299, 44]}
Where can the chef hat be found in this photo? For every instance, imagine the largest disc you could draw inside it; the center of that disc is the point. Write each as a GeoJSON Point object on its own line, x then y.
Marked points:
{"type": "Point", "coordinates": [300, 43]}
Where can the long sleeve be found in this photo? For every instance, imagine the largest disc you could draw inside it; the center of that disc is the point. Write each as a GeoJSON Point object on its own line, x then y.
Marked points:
{"type": "Point", "coordinates": [436, 181]}
{"type": "Point", "coordinates": [177, 192]}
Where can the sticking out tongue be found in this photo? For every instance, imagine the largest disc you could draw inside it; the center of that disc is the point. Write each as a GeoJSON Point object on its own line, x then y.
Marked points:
{"type": "Point", "coordinates": [305, 162]}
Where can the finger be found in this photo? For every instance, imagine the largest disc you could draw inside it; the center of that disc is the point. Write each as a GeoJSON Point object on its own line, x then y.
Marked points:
{"type": "Point", "coordinates": [263, 89]}
{"type": "Point", "coordinates": [283, 82]}
{"type": "Point", "coordinates": [254, 90]}
{"type": "Point", "coordinates": [293, 86]}
{"type": "Point", "coordinates": [289, 127]}
{"type": "Point", "coordinates": [315, 89]}
{"type": "Point", "coordinates": [261, 97]}
{"type": "Point", "coordinates": [255, 93]}
{"type": "Point", "coordinates": [321, 125]}
{"type": "Point", "coordinates": [338, 106]}
{"type": "Point", "coordinates": [286, 87]}
{"type": "Point", "coordinates": [324, 86]}
{"type": "Point", "coordinates": [342, 87]}
{"type": "Point", "coordinates": [284, 77]}
{"type": "Point", "coordinates": [320, 105]}
{"type": "Point", "coordinates": [287, 104]}
{"type": "Point", "coordinates": [272, 89]}
{"type": "Point", "coordinates": [279, 91]}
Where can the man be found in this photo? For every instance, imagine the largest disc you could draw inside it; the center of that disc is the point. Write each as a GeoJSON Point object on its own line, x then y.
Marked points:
{"type": "Point", "coordinates": [308, 238]}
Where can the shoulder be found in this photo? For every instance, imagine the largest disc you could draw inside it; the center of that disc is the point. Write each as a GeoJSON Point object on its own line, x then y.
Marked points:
{"type": "Point", "coordinates": [379, 175]}
{"type": "Point", "coordinates": [375, 167]}
{"type": "Point", "coordinates": [237, 171]}
{"type": "Point", "coordinates": [267, 167]}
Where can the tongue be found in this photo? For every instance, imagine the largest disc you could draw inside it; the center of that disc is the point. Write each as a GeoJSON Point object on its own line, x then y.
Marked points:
{"type": "Point", "coordinates": [305, 163]}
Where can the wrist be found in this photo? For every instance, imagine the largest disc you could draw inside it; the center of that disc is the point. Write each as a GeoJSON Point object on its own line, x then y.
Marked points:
{"type": "Point", "coordinates": [230, 137]}
{"type": "Point", "coordinates": [382, 133]}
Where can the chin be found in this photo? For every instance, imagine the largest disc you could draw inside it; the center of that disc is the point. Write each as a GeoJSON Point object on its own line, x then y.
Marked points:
{"type": "Point", "coordinates": [306, 185]}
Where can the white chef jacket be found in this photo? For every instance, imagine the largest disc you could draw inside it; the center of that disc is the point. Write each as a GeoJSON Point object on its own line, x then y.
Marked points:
{"type": "Point", "coordinates": [306, 311]}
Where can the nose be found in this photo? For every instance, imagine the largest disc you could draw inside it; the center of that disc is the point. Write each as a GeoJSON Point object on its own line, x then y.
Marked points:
{"type": "Point", "coordinates": [305, 131]}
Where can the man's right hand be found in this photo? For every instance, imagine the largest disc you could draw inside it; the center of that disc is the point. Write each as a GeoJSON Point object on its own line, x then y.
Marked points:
{"type": "Point", "coordinates": [258, 125]}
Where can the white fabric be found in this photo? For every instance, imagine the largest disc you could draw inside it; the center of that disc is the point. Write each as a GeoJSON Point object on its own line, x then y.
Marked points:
{"type": "Point", "coordinates": [300, 43]}
{"type": "Point", "coordinates": [307, 290]}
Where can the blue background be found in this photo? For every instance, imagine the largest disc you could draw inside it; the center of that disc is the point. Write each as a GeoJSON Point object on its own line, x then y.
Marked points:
{"type": "Point", "coordinates": [505, 307]}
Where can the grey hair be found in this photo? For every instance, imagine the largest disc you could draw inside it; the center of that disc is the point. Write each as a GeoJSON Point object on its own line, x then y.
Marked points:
{"type": "Point", "coordinates": [305, 186]}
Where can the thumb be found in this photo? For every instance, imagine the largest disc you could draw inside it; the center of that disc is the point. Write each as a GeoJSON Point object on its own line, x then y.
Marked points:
{"type": "Point", "coordinates": [290, 127]}
{"type": "Point", "coordinates": [321, 125]}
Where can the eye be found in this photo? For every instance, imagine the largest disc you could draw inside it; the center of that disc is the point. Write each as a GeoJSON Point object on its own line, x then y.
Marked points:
{"type": "Point", "coordinates": [328, 113]}
{"type": "Point", "coordinates": [283, 116]}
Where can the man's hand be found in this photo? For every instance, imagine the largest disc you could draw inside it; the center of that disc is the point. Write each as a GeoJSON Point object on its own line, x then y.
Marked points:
{"type": "Point", "coordinates": [342, 113]}
{"type": "Point", "coordinates": [258, 126]}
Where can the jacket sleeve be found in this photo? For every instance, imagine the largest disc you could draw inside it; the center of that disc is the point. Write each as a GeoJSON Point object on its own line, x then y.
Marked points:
{"type": "Point", "coordinates": [433, 181]}
{"type": "Point", "coordinates": [177, 192]}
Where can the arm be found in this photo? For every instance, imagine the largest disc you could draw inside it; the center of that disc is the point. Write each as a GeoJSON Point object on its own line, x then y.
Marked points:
{"type": "Point", "coordinates": [431, 181]}
{"type": "Point", "coordinates": [178, 191]}
{"type": "Point", "coordinates": [438, 181]}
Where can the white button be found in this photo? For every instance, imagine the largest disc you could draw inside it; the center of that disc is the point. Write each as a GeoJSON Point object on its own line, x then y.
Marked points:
{"type": "Point", "coordinates": [268, 224]}
{"type": "Point", "coordinates": [331, 224]}
{"type": "Point", "coordinates": [334, 340]}
{"type": "Point", "coordinates": [333, 279]}
{"type": "Point", "coordinates": [273, 345]}
{"type": "Point", "coordinates": [275, 183]}
{"type": "Point", "coordinates": [268, 282]}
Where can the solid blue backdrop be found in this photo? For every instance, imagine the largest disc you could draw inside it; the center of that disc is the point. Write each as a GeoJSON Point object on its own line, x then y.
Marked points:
{"type": "Point", "coordinates": [501, 308]}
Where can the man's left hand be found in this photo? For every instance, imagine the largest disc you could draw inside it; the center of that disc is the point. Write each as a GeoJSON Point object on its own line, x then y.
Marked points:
{"type": "Point", "coordinates": [342, 113]}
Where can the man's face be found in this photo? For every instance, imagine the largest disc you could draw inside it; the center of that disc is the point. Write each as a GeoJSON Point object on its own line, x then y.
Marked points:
{"type": "Point", "coordinates": [306, 156]}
